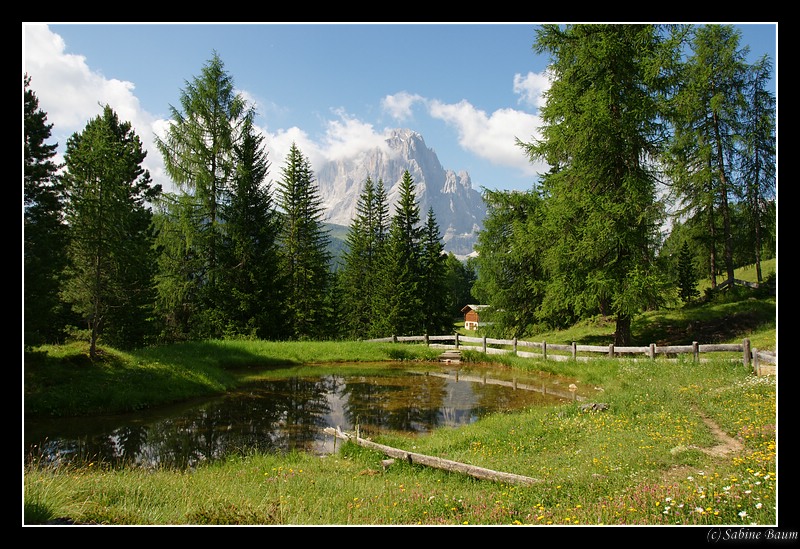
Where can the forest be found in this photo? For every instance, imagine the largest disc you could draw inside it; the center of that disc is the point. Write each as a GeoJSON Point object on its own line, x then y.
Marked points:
{"type": "Point", "coordinates": [661, 142]}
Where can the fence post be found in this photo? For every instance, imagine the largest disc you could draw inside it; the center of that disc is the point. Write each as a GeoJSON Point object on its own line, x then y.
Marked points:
{"type": "Point", "coordinates": [456, 340]}
{"type": "Point", "coordinates": [515, 345]}
{"type": "Point", "coordinates": [756, 366]}
{"type": "Point", "coordinates": [610, 350]}
{"type": "Point", "coordinates": [544, 349]}
{"type": "Point", "coordinates": [652, 351]}
{"type": "Point", "coordinates": [746, 349]}
{"type": "Point", "coordinates": [394, 338]}
{"type": "Point", "coordinates": [427, 341]}
{"type": "Point", "coordinates": [574, 351]}
{"type": "Point", "coordinates": [696, 351]}
{"type": "Point", "coordinates": [484, 344]}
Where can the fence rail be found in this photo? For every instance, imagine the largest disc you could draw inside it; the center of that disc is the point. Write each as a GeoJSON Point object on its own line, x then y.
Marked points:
{"type": "Point", "coordinates": [762, 362]}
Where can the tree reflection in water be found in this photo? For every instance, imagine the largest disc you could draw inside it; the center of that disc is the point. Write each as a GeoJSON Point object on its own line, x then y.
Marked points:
{"type": "Point", "coordinates": [277, 416]}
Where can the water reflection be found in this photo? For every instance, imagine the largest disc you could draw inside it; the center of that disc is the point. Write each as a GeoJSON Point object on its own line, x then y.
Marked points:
{"type": "Point", "coordinates": [280, 415]}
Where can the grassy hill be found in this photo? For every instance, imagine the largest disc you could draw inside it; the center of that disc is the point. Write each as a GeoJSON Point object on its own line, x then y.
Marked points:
{"type": "Point", "coordinates": [728, 318]}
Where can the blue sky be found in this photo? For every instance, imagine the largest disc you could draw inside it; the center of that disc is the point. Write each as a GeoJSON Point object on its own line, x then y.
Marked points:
{"type": "Point", "coordinates": [334, 89]}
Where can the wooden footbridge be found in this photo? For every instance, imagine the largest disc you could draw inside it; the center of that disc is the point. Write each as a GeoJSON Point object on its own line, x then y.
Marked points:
{"type": "Point", "coordinates": [450, 356]}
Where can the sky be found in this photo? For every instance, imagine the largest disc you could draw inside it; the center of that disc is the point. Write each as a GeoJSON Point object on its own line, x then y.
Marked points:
{"type": "Point", "coordinates": [333, 89]}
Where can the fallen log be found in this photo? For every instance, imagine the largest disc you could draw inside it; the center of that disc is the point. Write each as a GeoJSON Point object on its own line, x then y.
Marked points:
{"type": "Point", "coordinates": [431, 461]}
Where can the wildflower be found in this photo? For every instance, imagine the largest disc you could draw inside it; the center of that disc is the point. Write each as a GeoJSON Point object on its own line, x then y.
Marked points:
{"type": "Point", "coordinates": [759, 505]}
{"type": "Point", "coordinates": [742, 514]}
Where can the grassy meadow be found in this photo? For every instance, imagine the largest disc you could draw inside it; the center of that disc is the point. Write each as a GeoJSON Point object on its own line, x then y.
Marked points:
{"type": "Point", "coordinates": [681, 443]}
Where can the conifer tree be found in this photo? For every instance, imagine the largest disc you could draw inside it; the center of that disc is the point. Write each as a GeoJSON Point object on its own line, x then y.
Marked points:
{"type": "Point", "coordinates": [251, 284]}
{"type": "Point", "coordinates": [758, 158]}
{"type": "Point", "coordinates": [601, 129]}
{"type": "Point", "coordinates": [359, 277]}
{"type": "Point", "coordinates": [687, 277]}
{"type": "Point", "coordinates": [434, 292]}
{"type": "Point", "coordinates": [304, 254]}
{"type": "Point", "coordinates": [707, 112]}
{"type": "Point", "coordinates": [44, 233]}
{"type": "Point", "coordinates": [110, 277]}
{"type": "Point", "coordinates": [400, 300]}
{"type": "Point", "coordinates": [199, 156]}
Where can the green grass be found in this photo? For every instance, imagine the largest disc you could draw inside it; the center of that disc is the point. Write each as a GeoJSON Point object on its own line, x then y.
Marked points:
{"type": "Point", "coordinates": [645, 460]}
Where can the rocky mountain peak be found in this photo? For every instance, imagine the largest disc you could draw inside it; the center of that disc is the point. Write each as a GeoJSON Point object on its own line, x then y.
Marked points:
{"type": "Point", "coordinates": [459, 209]}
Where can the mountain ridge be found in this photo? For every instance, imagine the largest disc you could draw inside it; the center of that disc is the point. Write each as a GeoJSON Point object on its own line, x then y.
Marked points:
{"type": "Point", "coordinates": [459, 209]}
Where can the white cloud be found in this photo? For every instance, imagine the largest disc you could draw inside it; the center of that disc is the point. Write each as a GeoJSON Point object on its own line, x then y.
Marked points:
{"type": "Point", "coordinates": [72, 94]}
{"type": "Point", "coordinates": [399, 106]}
{"type": "Point", "coordinates": [531, 88]}
{"type": "Point", "coordinates": [492, 137]}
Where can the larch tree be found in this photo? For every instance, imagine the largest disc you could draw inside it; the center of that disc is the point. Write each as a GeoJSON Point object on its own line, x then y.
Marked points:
{"type": "Point", "coordinates": [199, 156]}
{"type": "Point", "coordinates": [44, 232]}
{"type": "Point", "coordinates": [509, 262]}
{"type": "Point", "coordinates": [304, 249]}
{"type": "Point", "coordinates": [111, 270]}
{"type": "Point", "coordinates": [706, 114]}
{"type": "Point", "coordinates": [601, 136]}
{"type": "Point", "coordinates": [758, 157]}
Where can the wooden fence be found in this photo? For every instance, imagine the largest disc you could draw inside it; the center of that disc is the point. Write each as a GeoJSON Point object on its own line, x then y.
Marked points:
{"type": "Point", "coordinates": [762, 362]}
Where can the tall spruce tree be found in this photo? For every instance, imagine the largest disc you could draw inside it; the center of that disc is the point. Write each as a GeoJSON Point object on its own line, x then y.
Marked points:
{"type": "Point", "coordinates": [199, 156]}
{"type": "Point", "coordinates": [44, 232]}
{"type": "Point", "coordinates": [110, 277]}
{"type": "Point", "coordinates": [400, 299]}
{"type": "Point", "coordinates": [304, 250]}
{"type": "Point", "coordinates": [433, 272]}
{"type": "Point", "coordinates": [359, 280]}
{"type": "Point", "coordinates": [251, 284]}
{"type": "Point", "coordinates": [601, 126]}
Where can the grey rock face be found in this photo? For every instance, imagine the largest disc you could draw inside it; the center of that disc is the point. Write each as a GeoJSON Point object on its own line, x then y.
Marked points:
{"type": "Point", "coordinates": [459, 209]}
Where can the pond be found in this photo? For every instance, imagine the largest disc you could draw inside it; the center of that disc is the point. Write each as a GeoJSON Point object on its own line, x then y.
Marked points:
{"type": "Point", "coordinates": [290, 413]}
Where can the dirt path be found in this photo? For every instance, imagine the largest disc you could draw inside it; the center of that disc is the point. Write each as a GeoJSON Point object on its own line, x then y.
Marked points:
{"type": "Point", "coordinates": [726, 444]}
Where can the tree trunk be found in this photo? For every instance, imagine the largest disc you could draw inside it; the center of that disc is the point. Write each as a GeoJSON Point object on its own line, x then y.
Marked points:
{"type": "Point", "coordinates": [622, 337]}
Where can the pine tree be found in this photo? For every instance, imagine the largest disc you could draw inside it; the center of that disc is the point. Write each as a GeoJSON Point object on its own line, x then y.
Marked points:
{"type": "Point", "coordinates": [111, 269]}
{"type": "Point", "coordinates": [400, 299]}
{"type": "Point", "coordinates": [251, 283]}
{"type": "Point", "coordinates": [359, 278]}
{"type": "Point", "coordinates": [304, 254]}
{"type": "Point", "coordinates": [45, 236]}
{"type": "Point", "coordinates": [758, 158]}
{"type": "Point", "coordinates": [433, 271]}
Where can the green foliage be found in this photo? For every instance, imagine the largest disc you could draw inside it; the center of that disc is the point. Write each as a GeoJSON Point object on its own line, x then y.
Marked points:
{"type": "Point", "coordinates": [601, 119]}
{"type": "Point", "coordinates": [200, 156]}
{"type": "Point", "coordinates": [251, 285]}
{"type": "Point", "coordinates": [360, 275]}
{"type": "Point", "coordinates": [111, 267]}
{"type": "Point", "coordinates": [511, 275]}
{"type": "Point", "coordinates": [45, 237]}
{"type": "Point", "coordinates": [304, 255]}
{"type": "Point", "coordinates": [400, 299]}
{"type": "Point", "coordinates": [434, 292]}
{"type": "Point", "coordinates": [687, 277]}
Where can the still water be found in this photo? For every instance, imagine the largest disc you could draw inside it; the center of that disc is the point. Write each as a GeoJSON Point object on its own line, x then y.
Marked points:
{"type": "Point", "coordinates": [280, 415]}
